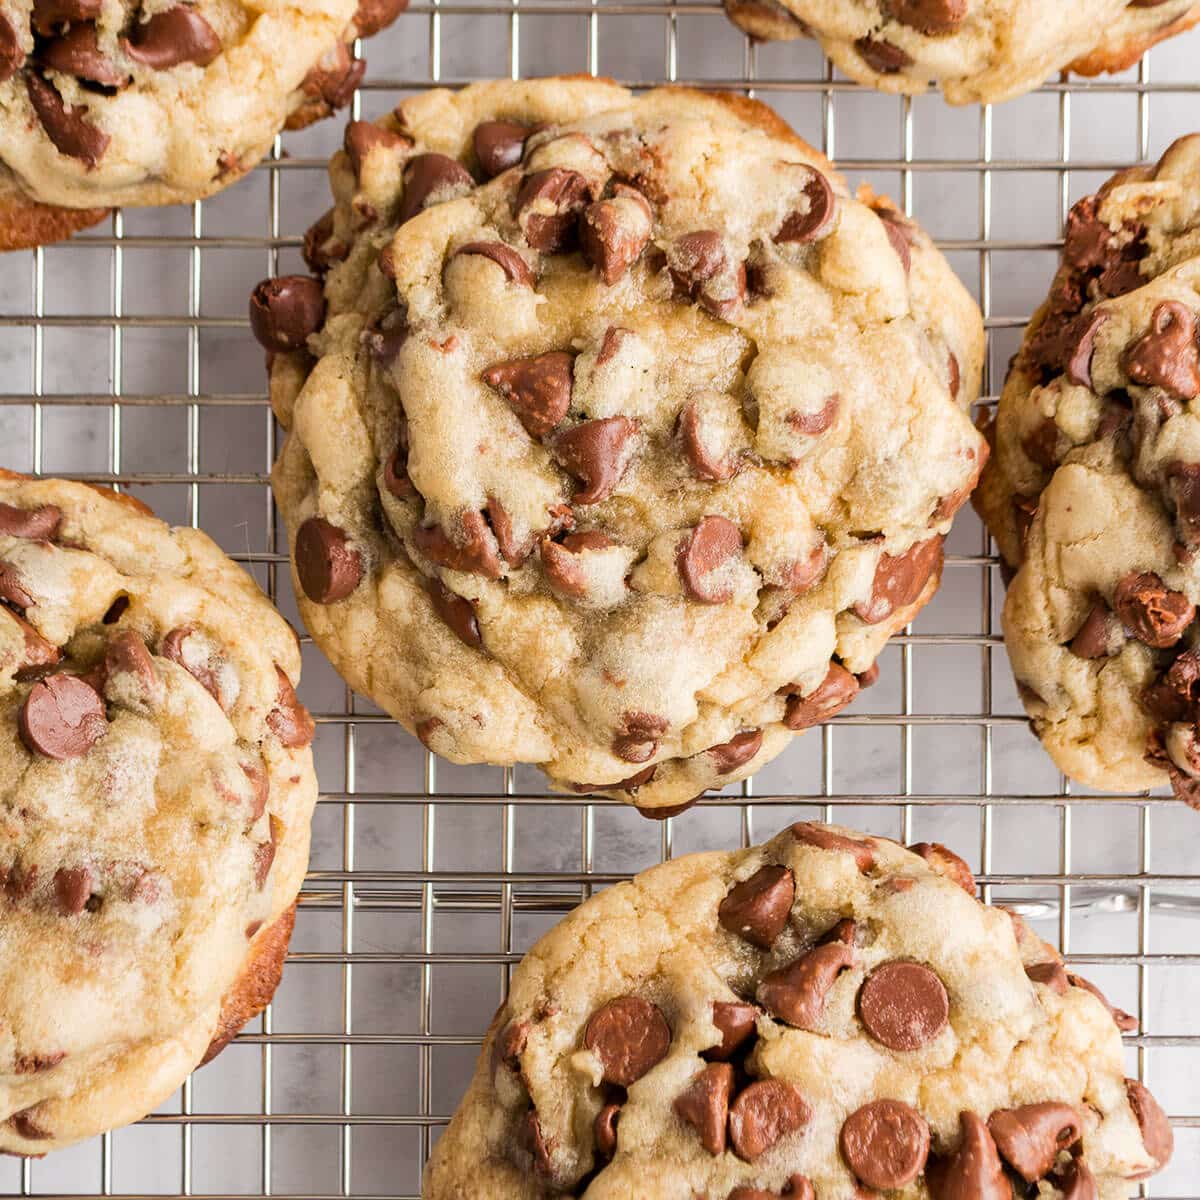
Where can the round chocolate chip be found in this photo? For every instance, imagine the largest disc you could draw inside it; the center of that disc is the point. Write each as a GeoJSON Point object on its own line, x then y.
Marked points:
{"type": "Point", "coordinates": [903, 1005]}
{"type": "Point", "coordinates": [1031, 1136]}
{"type": "Point", "coordinates": [286, 310]}
{"type": "Point", "coordinates": [735, 1022]}
{"type": "Point", "coordinates": [38, 524]}
{"type": "Point", "coordinates": [628, 1035]}
{"type": "Point", "coordinates": [763, 1113]}
{"type": "Point", "coordinates": [796, 993]}
{"type": "Point", "coordinates": [499, 145]}
{"type": "Point", "coordinates": [1152, 1121]}
{"type": "Point", "coordinates": [176, 35]}
{"type": "Point", "coordinates": [62, 717]}
{"type": "Point", "coordinates": [704, 1105]}
{"type": "Point", "coordinates": [126, 654]}
{"type": "Point", "coordinates": [328, 566]}
{"type": "Point", "coordinates": [885, 1143]}
{"type": "Point", "coordinates": [757, 909]}
{"type": "Point", "coordinates": [1154, 613]}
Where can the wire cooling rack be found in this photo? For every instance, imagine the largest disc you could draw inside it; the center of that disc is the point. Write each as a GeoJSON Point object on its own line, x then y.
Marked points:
{"type": "Point", "coordinates": [126, 361]}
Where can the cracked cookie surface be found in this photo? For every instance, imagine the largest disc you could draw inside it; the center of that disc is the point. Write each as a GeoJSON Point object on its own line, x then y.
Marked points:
{"type": "Point", "coordinates": [156, 790]}
{"type": "Point", "coordinates": [974, 50]}
{"type": "Point", "coordinates": [621, 437]}
{"type": "Point", "coordinates": [1092, 493]}
{"type": "Point", "coordinates": [825, 1015]}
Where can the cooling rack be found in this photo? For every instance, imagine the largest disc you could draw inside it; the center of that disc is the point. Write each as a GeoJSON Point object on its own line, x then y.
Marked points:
{"type": "Point", "coordinates": [126, 361]}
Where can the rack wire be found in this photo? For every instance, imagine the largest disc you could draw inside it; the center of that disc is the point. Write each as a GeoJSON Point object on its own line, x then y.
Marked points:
{"type": "Point", "coordinates": [126, 355]}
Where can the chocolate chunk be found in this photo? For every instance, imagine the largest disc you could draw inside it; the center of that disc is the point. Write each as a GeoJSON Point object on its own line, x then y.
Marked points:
{"type": "Point", "coordinates": [701, 268]}
{"type": "Point", "coordinates": [885, 1144]}
{"type": "Point", "coordinates": [809, 834]}
{"type": "Point", "coordinates": [597, 454]}
{"type": "Point", "coordinates": [1152, 612]}
{"type": "Point", "coordinates": [38, 654]}
{"type": "Point", "coordinates": [50, 15]}
{"type": "Point", "coordinates": [945, 862]}
{"type": "Point", "coordinates": [973, 1171]}
{"type": "Point", "coordinates": [900, 580]}
{"type": "Point", "coordinates": [458, 612]}
{"type": "Point", "coordinates": [329, 568]}
{"type": "Point", "coordinates": [1183, 485]}
{"type": "Point", "coordinates": [1100, 634]}
{"type": "Point", "coordinates": [68, 129]}
{"type": "Point", "coordinates": [126, 654]}
{"type": "Point", "coordinates": [1079, 346]}
{"type": "Point", "coordinates": [629, 1036]}
{"type": "Point", "coordinates": [12, 57]}
{"type": "Point", "coordinates": [1031, 1136]}
{"type": "Point", "coordinates": [704, 1105]}
{"type": "Point", "coordinates": [77, 53]}
{"type": "Point", "coordinates": [537, 389]}
{"type": "Point", "coordinates": [286, 310]}
{"type": "Point", "coordinates": [499, 145]}
{"type": "Point", "coordinates": [882, 56]}
{"type": "Point", "coordinates": [736, 1022]}
{"type": "Point", "coordinates": [613, 233]}
{"type": "Point", "coordinates": [361, 137]}
{"type": "Point", "coordinates": [737, 752]}
{"type": "Point", "coordinates": [604, 1129]}
{"type": "Point", "coordinates": [903, 1005]}
{"type": "Point", "coordinates": [1152, 1121]}
{"type": "Point", "coordinates": [62, 717]}
{"type": "Point", "coordinates": [796, 993]}
{"type": "Point", "coordinates": [701, 556]}
{"type": "Point", "coordinates": [1125, 1022]}
{"type": "Point", "coordinates": [432, 179]}
{"type": "Point", "coordinates": [72, 889]}
{"type": "Point", "coordinates": [507, 259]}
{"type": "Point", "coordinates": [1167, 356]}
{"type": "Point", "coordinates": [561, 561]}
{"type": "Point", "coordinates": [815, 220]}
{"type": "Point", "coordinates": [548, 206]}
{"type": "Point", "coordinates": [373, 15]}
{"type": "Point", "coordinates": [178, 35]}
{"type": "Point", "coordinates": [289, 720]}
{"type": "Point", "coordinates": [762, 1114]}
{"type": "Point", "coordinates": [757, 909]}
{"type": "Point", "coordinates": [836, 690]}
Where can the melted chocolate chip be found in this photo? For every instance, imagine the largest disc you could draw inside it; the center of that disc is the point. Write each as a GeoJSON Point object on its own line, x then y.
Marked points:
{"type": "Point", "coordinates": [629, 1036]}
{"type": "Point", "coordinates": [903, 1005]}
{"type": "Point", "coordinates": [900, 580]}
{"type": "Point", "coordinates": [328, 567]}
{"type": "Point", "coordinates": [72, 889]}
{"type": "Point", "coordinates": [373, 15]}
{"type": "Point", "coordinates": [885, 1143]}
{"type": "Point", "coordinates": [1152, 1121]}
{"type": "Point", "coordinates": [77, 52]}
{"type": "Point", "coordinates": [757, 909]}
{"type": "Point", "coordinates": [1052, 975]}
{"type": "Point", "coordinates": [933, 18]}
{"type": "Point", "coordinates": [882, 56]}
{"type": "Point", "coordinates": [562, 561]}
{"type": "Point", "coordinates": [701, 267]}
{"type": "Point", "coordinates": [286, 310]}
{"type": "Point", "coordinates": [177, 35]}
{"type": "Point", "coordinates": [613, 233]}
{"type": "Point", "coordinates": [764, 1113]}
{"type": "Point", "coordinates": [50, 15]}
{"type": "Point", "coordinates": [1152, 612]}
{"type": "Point", "coordinates": [737, 752]}
{"type": "Point", "coordinates": [1167, 356]}
{"type": "Point", "coordinates": [945, 862]}
{"type": "Point", "coordinates": [704, 1105]}
{"type": "Point", "coordinates": [361, 137]}
{"type": "Point", "coordinates": [604, 1129]}
{"type": "Point", "coordinates": [537, 389]}
{"type": "Point", "coordinates": [126, 654]}
{"type": "Point", "coordinates": [12, 57]}
{"type": "Point", "coordinates": [62, 718]}
{"type": "Point", "coordinates": [38, 654]}
{"type": "Point", "coordinates": [1100, 634]}
{"type": "Point", "coordinates": [836, 690]}
{"type": "Point", "coordinates": [815, 219]}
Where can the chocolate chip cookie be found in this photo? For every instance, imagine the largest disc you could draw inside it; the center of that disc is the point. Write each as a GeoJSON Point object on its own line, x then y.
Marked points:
{"type": "Point", "coordinates": [1093, 494]}
{"type": "Point", "coordinates": [156, 788]}
{"type": "Point", "coordinates": [621, 436]}
{"type": "Point", "coordinates": [133, 102]}
{"type": "Point", "coordinates": [828, 1015]}
{"type": "Point", "coordinates": [974, 50]}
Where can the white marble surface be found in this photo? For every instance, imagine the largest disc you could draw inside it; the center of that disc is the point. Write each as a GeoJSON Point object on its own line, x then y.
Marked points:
{"type": "Point", "coordinates": [381, 994]}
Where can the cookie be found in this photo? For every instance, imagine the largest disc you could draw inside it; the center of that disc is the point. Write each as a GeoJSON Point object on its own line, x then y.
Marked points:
{"type": "Point", "coordinates": [125, 103]}
{"type": "Point", "coordinates": [976, 51]}
{"type": "Point", "coordinates": [828, 1015]}
{"type": "Point", "coordinates": [1092, 493]}
{"type": "Point", "coordinates": [620, 435]}
{"type": "Point", "coordinates": [156, 790]}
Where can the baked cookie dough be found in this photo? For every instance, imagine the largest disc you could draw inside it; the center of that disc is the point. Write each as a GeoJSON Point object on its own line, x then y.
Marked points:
{"type": "Point", "coordinates": [1093, 494]}
{"type": "Point", "coordinates": [975, 50]}
{"type": "Point", "coordinates": [134, 102]}
{"type": "Point", "coordinates": [156, 789]}
{"type": "Point", "coordinates": [828, 1015]}
{"type": "Point", "coordinates": [621, 436]}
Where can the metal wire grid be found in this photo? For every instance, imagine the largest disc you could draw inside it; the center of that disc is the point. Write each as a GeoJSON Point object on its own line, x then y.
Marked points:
{"type": "Point", "coordinates": [505, 907]}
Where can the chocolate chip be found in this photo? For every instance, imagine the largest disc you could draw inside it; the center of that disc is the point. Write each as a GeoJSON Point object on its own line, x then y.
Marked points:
{"type": "Point", "coordinates": [126, 654]}
{"type": "Point", "coordinates": [613, 233]}
{"type": "Point", "coordinates": [1025, 509]}
{"type": "Point", "coordinates": [13, 589]}
{"type": "Point", "coordinates": [945, 862]}
{"type": "Point", "coordinates": [973, 1171]}
{"type": "Point", "coordinates": [260, 793]}
{"type": "Point", "coordinates": [604, 1129]}
{"type": "Point", "coordinates": [562, 561]}
{"type": "Point", "coordinates": [735, 1022]}
{"type": "Point", "coordinates": [1079, 346]}
{"type": "Point", "coordinates": [1052, 975]}
{"type": "Point", "coordinates": [796, 993]}
{"type": "Point", "coordinates": [328, 567]}
{"type": "Point", "coordinates": [702, 556]}
{"type": "Point", "coordinates": [507, 259]}
{"type": "Point", "coordinates": [72, 889]}
{"type": "Point", "coordinates": [25, 1126]}
{"type": "Point", "coordinates": [1124, 1021]}
{"type": "Point", "coordinates": [1183, 485]}
{"type": "Point", "coordinates": [597, 454]}
{"type": "Point", "coordinates": [697, 441]}
{"type": "Point", "coordinates": [62, 717]}
{"type": "Point", "coordinates": [286, 310]}
{"type": "Point", "coordinates": [757, 909]}
{"type": "Point", "coordinates": [798, 1187]}
{"type": "Point", "coordinates": [329, 85]}
{"type": "Point", "coordinates": [395, 475]}
{"type": "Point", "coordinates": [475, 554]}
{"type": "Point", "coordinates": [900, 580]}
{"type": "Point", "coordinates": [264, 853]}
{"type": "Point", "coordinates": [361, 137]}
{"type": "Point", "coordinates": [77, 52]}
{"type": "Point", "coordinates": [903, 1005]}
{"type": "Point", "coordinates": [629, 1036]}
{"type": "Point", "coordinates": [1152, 1121]}
{"type": "Point", "coordinates": [38, 654]}
{"type": "Point", "coordinates": [12, 57]}
{"type": "Point", "coordinates": [704, 1105]}
{"type": "Point", "coordinates": [432, 179]}
{"type": "Point", "coordinates": [321, 248]}
{"type": "Point", "coordinates": [178, 35]}
{"type": "Point", "coordinates": [1031, 1136]}
{"type": "Point", "coordinates": [885, 1143]}
{"type": "Point", "coordinates": [289, 720]}
{"type": "Point", "coordinates": [836, 690]}
{"type": "Point", "coordinates": [1152, 612]}
{"type": "Point", "coordinates": [899, 233]}
{"type": "Point", "coordinates": [762, 1114]}
{"type": "Point", "coordinates": [812, 423]}
{"type": "Point", "coordinates": [1100, 634]}
{"type": "Point", "coordinates": [373, 15]}
{"type": "Point", "coordinates": [815, 219]}
{"type": "Point", "coordinates": [702, 268]}
{"type": "Point", "coordinates": [882, 56]}
{"type": "Point", "coordinates": [510, 1045]}
{"type": "Point", "coordinates": [1167, 356]}
{"type": "Point", "coordinates": [49, 15]}
{"type": "Point", "coordinates": [637, 739]}
{"type": "Point", "coordinates": [547, 207]}
{"type": "Point", "coordinates": [458, 613]}
{"type": "Point", "coordinates": [818, 836]}
{"type": "Point", "coordinates": [537, 389]}
{"type": "Point", "coordinates": [1075, 1182]}
{"type": "Point", "coordinates": [67, 128]}
{"type": "Point", "coordinates": [934, 18]}
{"type": "Point", "coordinates": [499, 145]}
{"type": "Point", "coordinates": [1040, 444]}
{"type": "Point", "coordinates": [205, 673]}
{"type": "Point", "coordinates": [535, 1143]}
{"type": "Point", "coordinates": [33, 1064]}
{"type": "Point", "coordinates": [737, 752]}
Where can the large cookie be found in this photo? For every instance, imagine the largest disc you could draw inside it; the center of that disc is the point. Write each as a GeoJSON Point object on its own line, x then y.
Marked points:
{"type": "Point", "coordinates": [621, 437]}
{"type": "Point", "coordinates": [974, 50]}
{"type": "Point", "coordinates": [826, 1015]}
{"type": "Point", "coordinates": [152, 102]}
{"type": "Point", "coordinates": [1093, 493]}
{"type": "Point", "coordinates": [156, 789]}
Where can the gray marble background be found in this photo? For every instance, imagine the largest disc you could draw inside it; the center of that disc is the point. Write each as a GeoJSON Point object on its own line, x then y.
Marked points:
{"type": "Point", "coordinates": [408, 922]}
